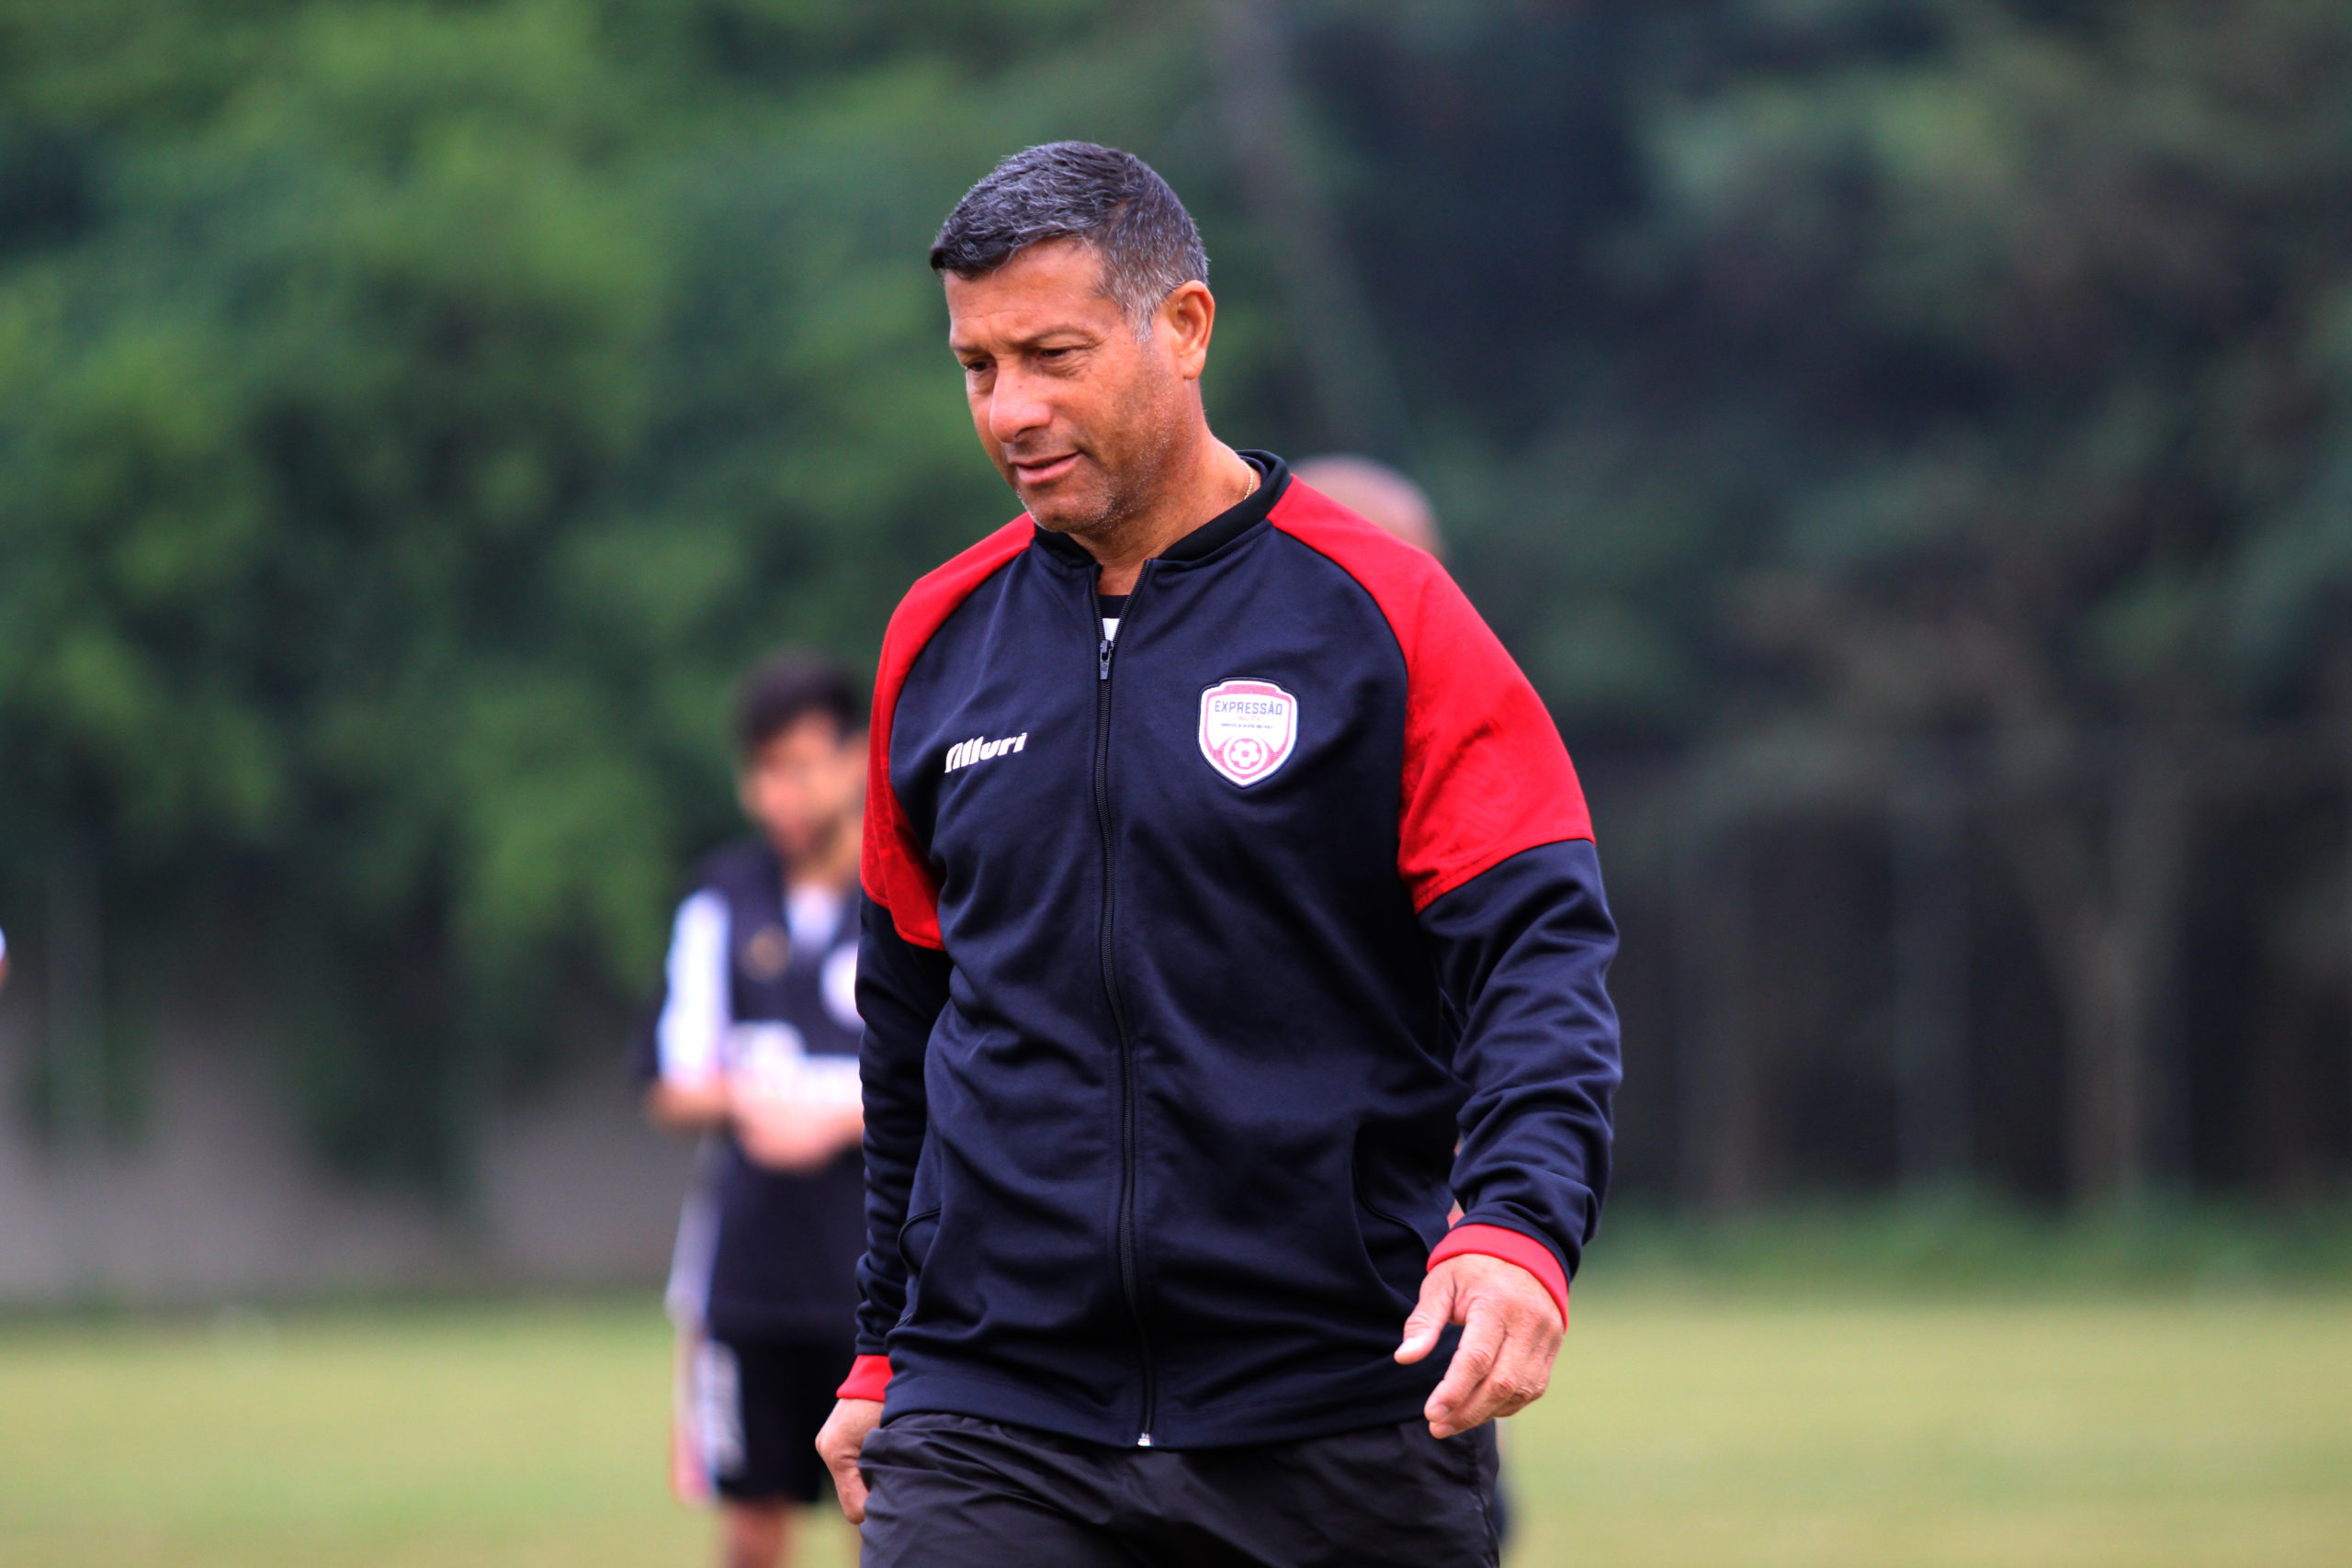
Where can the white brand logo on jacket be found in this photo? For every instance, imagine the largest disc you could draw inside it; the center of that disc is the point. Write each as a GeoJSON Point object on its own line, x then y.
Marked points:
{"type": "Point", "coordinates": [963, 753]}
{"type": "Point", "coordinates": [1247, 728]}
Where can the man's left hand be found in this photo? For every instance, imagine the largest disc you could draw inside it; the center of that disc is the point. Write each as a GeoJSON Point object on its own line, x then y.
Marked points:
{"type": "Point", "coordinates": [1510, 1332]}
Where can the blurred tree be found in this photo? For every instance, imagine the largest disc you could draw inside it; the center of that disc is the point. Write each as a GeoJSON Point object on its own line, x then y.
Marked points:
{"type": "Point", "coordinates": [413, 412]}
{"type": "Point", "coordinates": [411, 417]}
{"type": "Point", "coordinates": [1959, 377]}
{"type": "Point", "coordinates": [2061, 382]}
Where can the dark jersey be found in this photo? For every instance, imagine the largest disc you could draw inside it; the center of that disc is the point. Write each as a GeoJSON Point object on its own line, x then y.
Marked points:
{"type": "Point", "coordinates": [742, 996]}
{"type": "Point", "coordinates": [1207, 963]}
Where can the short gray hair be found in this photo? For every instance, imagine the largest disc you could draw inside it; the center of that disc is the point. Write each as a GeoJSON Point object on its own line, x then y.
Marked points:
{"type": "Point", "coordinates": [1112, 201]}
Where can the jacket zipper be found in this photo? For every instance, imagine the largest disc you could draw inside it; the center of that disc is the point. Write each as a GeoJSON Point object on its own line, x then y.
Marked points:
{"type": "Point", "coordinates": [1106, 650]}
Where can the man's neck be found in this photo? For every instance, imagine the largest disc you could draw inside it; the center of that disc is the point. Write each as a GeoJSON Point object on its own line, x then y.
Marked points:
{"type": "Point", "coordinates": [1215, 480]}
{"type": "Point", "coordinates": [831, 866]}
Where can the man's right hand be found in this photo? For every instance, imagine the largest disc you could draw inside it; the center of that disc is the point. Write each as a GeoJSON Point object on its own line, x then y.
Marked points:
{"type": "Point", "coordinates": [842, 1439]}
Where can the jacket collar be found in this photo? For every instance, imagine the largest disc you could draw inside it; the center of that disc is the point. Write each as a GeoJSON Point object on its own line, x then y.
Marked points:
{"type": "Point", "coordinates": [1210, 537]}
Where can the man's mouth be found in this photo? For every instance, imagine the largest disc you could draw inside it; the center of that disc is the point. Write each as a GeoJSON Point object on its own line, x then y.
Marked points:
{"type": "Point", "coordinates": [1030, 472]}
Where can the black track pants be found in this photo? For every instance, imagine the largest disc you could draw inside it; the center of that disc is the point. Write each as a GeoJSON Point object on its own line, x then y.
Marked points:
{"type": "Point", "coordinates": [952, 1492]}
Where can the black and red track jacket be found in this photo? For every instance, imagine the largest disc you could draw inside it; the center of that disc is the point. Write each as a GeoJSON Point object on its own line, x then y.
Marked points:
{"type": "Point", "coordinates": [1191, 957]}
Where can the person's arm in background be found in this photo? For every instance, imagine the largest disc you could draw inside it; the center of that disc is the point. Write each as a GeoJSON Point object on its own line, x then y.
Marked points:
{"type": "Point", "coordinates": [689, 1092]}
{"type": "Point", "coordinates": [798, 1126]}
{"type": "Point", "coordinates": [802, 1119]}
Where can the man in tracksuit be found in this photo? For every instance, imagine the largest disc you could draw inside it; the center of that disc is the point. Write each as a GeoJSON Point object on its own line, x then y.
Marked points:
{"type": "Point", "coordinates": [1232, 912]}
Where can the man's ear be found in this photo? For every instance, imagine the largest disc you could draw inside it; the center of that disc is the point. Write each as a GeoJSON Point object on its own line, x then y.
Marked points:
{"type": "Point", "coordinates": [1187, 318]}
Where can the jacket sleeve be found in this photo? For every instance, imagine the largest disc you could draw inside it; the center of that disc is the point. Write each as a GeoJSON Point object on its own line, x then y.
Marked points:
{"type": "Point", "coordinates": [1522, 952]}
{"type": "Point", "coordinates": [1494, 845]}
{"type": "Point", "coordinates": [902, 967]}
{"type": "Point", "coordinates": [901, 988]}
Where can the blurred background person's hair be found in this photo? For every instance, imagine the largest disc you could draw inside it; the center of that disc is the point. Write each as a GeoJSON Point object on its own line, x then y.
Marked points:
{"type": "Point", "coordinates": [786, 688]}
{"type": "Point", "coordinates": [1380, 495]}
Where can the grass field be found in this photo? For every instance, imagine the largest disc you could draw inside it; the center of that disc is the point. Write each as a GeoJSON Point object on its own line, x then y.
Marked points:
{"type": "Point", "coordinates": [1690, 1428]}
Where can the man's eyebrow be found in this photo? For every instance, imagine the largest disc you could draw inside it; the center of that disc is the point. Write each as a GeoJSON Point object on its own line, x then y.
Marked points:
{"type": "Point", "coordinates": [1034, 340]}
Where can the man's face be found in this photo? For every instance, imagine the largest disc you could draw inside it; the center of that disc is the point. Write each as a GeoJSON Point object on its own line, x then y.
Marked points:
{"type": "Point", "coordinates": [1080, 417]}
{"type": "Point", "coordinates": [803, 784]}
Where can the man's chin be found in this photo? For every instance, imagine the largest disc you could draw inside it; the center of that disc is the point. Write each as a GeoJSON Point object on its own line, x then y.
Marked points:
{"type": "Point", "coordinates": [1060, 513]}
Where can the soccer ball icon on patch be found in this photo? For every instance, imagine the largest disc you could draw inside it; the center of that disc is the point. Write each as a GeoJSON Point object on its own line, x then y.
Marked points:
{"type": "Point", "coordinates": [1249, 729]}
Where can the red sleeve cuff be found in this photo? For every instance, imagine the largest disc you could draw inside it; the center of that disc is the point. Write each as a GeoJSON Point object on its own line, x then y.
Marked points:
{"type": "Point", "coordinates": [869, 1376]}
{"type": "Point", "coordinates": [1494, 1241]}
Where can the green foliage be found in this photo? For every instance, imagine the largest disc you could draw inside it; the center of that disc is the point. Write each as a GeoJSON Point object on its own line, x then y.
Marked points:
{"type": "Point", "coordinates": [1793, 343]}
{"type": "Point", "coordinates": [414, 413]}
{"type": "Point", "coordinates": [412, 416]}
{"type": "Point", "coordinates": [1963, 1246]}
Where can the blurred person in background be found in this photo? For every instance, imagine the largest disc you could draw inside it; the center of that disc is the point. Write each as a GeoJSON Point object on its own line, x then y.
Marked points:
{"type": "Point", "coordinates": [1223, 876]}
{"type": "Point", "coordinates": [1378, 494]}
{"type": "Point", "coordinates": [754, 1049]}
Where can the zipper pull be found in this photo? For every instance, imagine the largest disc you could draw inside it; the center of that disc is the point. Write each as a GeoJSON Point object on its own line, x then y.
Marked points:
{"type": "Point", "coordinates": [1103, 655]}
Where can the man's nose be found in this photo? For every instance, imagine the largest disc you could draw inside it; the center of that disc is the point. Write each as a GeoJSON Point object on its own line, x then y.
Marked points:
{"type": "Point", "coordinates": [1015, 408]}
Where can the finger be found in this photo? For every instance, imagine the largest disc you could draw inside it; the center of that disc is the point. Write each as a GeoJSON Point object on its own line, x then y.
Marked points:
{"type": "Point", "coordinates": [1473, 1357]}
{"type": "Point", "coordinates": [1521, 1374]}
{"type": "Point", "coordinates": [1430, 1314]}
{"type": "Point", "coordinates": [849, 1486]}
{"type": "Point", "coordinates": [840, 1445]}
{"type": "Point", "coordinates": [1521, 1371]}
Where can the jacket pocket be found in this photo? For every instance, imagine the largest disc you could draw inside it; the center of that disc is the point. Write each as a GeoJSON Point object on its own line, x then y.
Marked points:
{"type": "Point", "coordinates": [1399, 1223]}
{"type": "Point", "coordinates": [915, 1239]}
{"type": "Point", "coordinates": [925, 1202]}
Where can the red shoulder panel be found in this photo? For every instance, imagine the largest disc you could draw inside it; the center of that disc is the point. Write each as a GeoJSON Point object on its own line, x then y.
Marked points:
{"type": "Point", "coordinates": [1485, 775]}
{"type": "Point", "coordinates": [892, 868]}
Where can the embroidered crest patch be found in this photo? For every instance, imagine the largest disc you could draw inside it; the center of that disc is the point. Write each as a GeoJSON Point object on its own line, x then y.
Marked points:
{"type": "Point", "coordinates": [767, 953]}
{"type": "Point", "coordinates": [1249, 729]}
